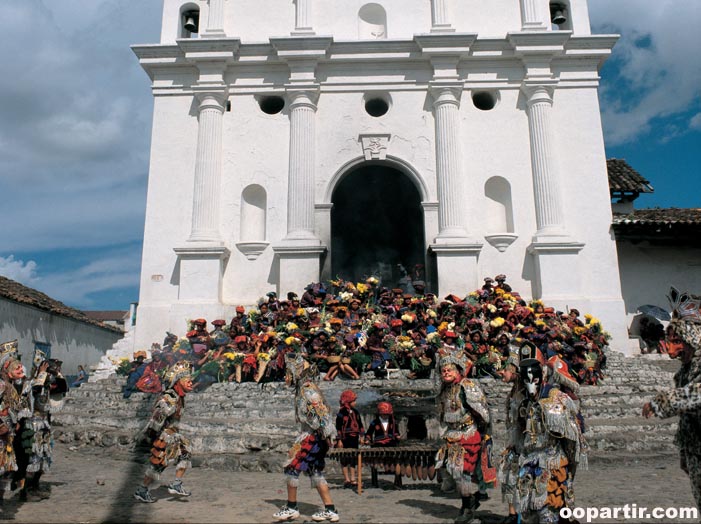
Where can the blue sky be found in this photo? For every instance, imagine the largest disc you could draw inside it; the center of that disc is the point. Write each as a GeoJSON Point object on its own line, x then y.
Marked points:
{"type": "Point", "coordinates": [75, 117]}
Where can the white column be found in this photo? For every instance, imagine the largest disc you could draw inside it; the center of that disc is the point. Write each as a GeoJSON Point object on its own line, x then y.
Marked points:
{"type": "Point", "coordinates": [451, 216]}
{"type": "Point", "coordinates": [303, 17]}
{"type": "Point", "coordinates": [532, 12]}
{"type": "Point", "coordinates": [546, 189]}
{"type": "Point", "coordinates": [300, 189]}
{"type": "Point", "coordinates": [439, 13]}
{"type": "Point", "coordinates": [215, 20]}
{"type": "Point", "coordinates": [205, 204]}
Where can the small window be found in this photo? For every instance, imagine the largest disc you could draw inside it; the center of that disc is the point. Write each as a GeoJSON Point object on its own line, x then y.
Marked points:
{"type": "Point", "coordinates": [271, 105]}
{"type": "Point", "coordinates": [44, 347]}
{"type": "Point", "coordinates": [484, 100]}
{"type": "Point", "coordinates": [377, 105]}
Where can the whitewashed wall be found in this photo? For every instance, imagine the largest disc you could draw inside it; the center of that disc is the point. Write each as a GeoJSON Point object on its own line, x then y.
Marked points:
{"type": "Point", "coordinates": [255, 145]}
{"type": "Point", "coordinates": [647, 272]}
{"type": "Point", "coordinates": [73, 342]}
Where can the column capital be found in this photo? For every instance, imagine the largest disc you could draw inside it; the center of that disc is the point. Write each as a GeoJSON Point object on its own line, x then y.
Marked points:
{"type": "Point", "coordinates": [538, 92]}
{"type": "Point", "coordinates": [446, 92]}
{"type": "Point", "coordinates": [302, 95]}
{"type": "Point", "coordinates": [211, 99]}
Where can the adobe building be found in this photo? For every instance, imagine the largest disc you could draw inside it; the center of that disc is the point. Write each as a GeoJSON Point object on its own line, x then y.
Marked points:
{"type": "Point", "coordinates": [302, 140]}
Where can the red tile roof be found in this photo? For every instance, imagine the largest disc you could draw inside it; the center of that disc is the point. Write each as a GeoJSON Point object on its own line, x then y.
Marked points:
{"type": "Point", "coordinates": [625, 179]}
{"type": "Point", "coordinates": [660, 217]}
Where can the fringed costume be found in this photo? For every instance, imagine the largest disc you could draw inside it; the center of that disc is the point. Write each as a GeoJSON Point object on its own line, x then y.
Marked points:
{"type": "Point", "coordinates": [545, 445]}
{"type": "Point", "coordinates": [684, 342]}
{"type": "Point", "coordinates": [466, 453]}
{"type": "Point", "coordinates": [308, 453]}
{"type": "Point", "coordinates": [168, 446]}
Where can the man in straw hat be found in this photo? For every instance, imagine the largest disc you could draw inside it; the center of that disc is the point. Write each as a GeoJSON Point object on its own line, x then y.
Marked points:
{"type": "Point", "coordinates": [308, 452]}
{"type": "Point", "coordinates": [168, 446]}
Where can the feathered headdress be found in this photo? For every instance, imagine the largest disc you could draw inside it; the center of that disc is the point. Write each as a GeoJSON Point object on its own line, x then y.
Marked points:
{"type": "Point", "coordinates": [8, 351]}
{"type": "Point", "coordinates": [179, 370]}
{"type": "Point", "coordinates": [299, 368]}
{"type": "Point", "coordinates": [686, 316]}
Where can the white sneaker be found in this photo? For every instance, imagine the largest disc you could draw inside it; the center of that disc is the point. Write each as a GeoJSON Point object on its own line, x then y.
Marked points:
{"type": "Point", "coordinates": [286, 513]}
{"type": "Point", "coordinates": [325, 514]}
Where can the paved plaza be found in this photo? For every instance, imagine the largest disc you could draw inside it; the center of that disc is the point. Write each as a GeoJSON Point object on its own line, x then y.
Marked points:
{"type": "Point", "coordinates": [95, 485]}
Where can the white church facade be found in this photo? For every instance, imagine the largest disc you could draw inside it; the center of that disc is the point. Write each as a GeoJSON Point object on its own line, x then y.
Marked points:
{"type": "Point", "coordinates": [296, 141]}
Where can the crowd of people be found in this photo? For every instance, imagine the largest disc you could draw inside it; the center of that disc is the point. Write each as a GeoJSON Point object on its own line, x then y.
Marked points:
{"type": "Point", "coordinates": [349, 328]}
{"type": "Point", "coordinates": [26, 402]}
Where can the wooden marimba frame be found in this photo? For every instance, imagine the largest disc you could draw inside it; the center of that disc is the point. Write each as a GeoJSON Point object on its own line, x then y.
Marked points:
{"type": "Point", "coordinates": [412, 455]}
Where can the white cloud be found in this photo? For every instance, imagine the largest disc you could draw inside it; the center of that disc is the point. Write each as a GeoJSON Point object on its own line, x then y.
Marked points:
{"type": "Point", "coordinates": [75, 122]}
{"type": "Point", "coordinates": [24, 273]}
{"type": "Point", "coordinates": [695, 122]}
{"type": "Point", "coordinates": [657, 55]}
{"type": "Point", "coordinates": [113, 271]}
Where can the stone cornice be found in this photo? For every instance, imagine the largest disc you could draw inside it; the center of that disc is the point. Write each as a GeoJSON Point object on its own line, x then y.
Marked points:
{"type": "Point", "coordinates": [445, 44]}
{"type": "Point", "coordinates": [529, 43]}
{"type": "Point", "coordinates": [301, 47]}
{"type": "Point", "coordinates": [209, 49]}
{"type": "Point", "coordinates": [465, 50]}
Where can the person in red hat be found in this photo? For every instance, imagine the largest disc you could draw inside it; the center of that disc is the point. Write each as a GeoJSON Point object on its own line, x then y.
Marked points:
{"type": "Point", "coordinates": [383, 432]}
{"type": "Point", "coordinates": [350, 430]}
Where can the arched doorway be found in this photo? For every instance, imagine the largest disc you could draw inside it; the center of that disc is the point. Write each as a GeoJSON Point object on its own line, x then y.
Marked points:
{"type": "Point", "coordinates": [377, 226]}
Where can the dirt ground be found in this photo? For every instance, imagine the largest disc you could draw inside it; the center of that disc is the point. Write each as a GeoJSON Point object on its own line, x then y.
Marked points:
{"type": "Point", "coordinates": [95, 485]}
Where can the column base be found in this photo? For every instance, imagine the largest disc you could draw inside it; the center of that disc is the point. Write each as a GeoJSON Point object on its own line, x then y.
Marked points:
{"type": "Point", "coordinates": [456, 265]}
{"type": "Point", "coordinates": [300, 264]}
{"type": "Point", "coordinates": [442, 28]}
{"type": "Point", "coordinates": [557, 266]}
{"type": "Point", "coordinates": [201, 267]}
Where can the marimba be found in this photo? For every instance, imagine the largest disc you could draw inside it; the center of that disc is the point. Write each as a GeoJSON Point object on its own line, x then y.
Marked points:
{"type": "Point", "coordinates": [413, 455]}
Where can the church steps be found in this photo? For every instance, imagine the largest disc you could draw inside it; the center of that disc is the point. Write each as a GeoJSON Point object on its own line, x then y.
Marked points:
{"type": "Point", "coordinates": [230, 419]}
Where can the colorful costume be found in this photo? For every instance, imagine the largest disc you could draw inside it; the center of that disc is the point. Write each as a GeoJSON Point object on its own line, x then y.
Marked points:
{"type": "Point", "coordinates": [308, 452]}
{"type": "Point", "coordinates": [685, 399]}
{"type": "Point", "coordinates": [465, 455]}
{"type": "Point", "coordinates": [545, 444]}
{"type": "Point", "coordinates": [168, 446]}
{"type": "Point", "coordinates": [10, 408]}
{"type": "Point", "coordinates": [42, 394]}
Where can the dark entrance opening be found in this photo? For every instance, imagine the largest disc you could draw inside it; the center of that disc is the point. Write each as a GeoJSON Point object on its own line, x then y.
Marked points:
{"type": "Point", "coordinates": [377, 227]}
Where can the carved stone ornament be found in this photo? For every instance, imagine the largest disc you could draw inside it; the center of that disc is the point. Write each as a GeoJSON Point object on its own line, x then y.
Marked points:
{"type": "Point", "coordinates": [375, 146]}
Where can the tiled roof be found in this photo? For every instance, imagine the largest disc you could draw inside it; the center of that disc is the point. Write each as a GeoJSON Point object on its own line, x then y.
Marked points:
{"type": "Point", "coordinates": [21, 294]}
{"type": "Point", "coordinates": [625, 179]}
{"type": "Point", "coordinates": [104, 316]}
{"type": "Point", "coordinates": [660, 217]}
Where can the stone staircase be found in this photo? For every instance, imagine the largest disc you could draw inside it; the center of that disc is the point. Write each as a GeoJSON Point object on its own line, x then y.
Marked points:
{"type": "Point", "coordinates": [250, 426]}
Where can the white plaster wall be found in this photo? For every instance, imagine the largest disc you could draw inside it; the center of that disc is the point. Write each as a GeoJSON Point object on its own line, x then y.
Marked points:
{"type": "Point", "coordinates": [73, 342]}
{"type": "Point", "coordinates": [647, 272]}
{"type": "Point", "coordinates": [255, 151]}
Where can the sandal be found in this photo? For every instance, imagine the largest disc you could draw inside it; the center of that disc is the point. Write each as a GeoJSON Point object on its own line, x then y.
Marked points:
{"type": "Point", "coordinates": [349, 484]}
